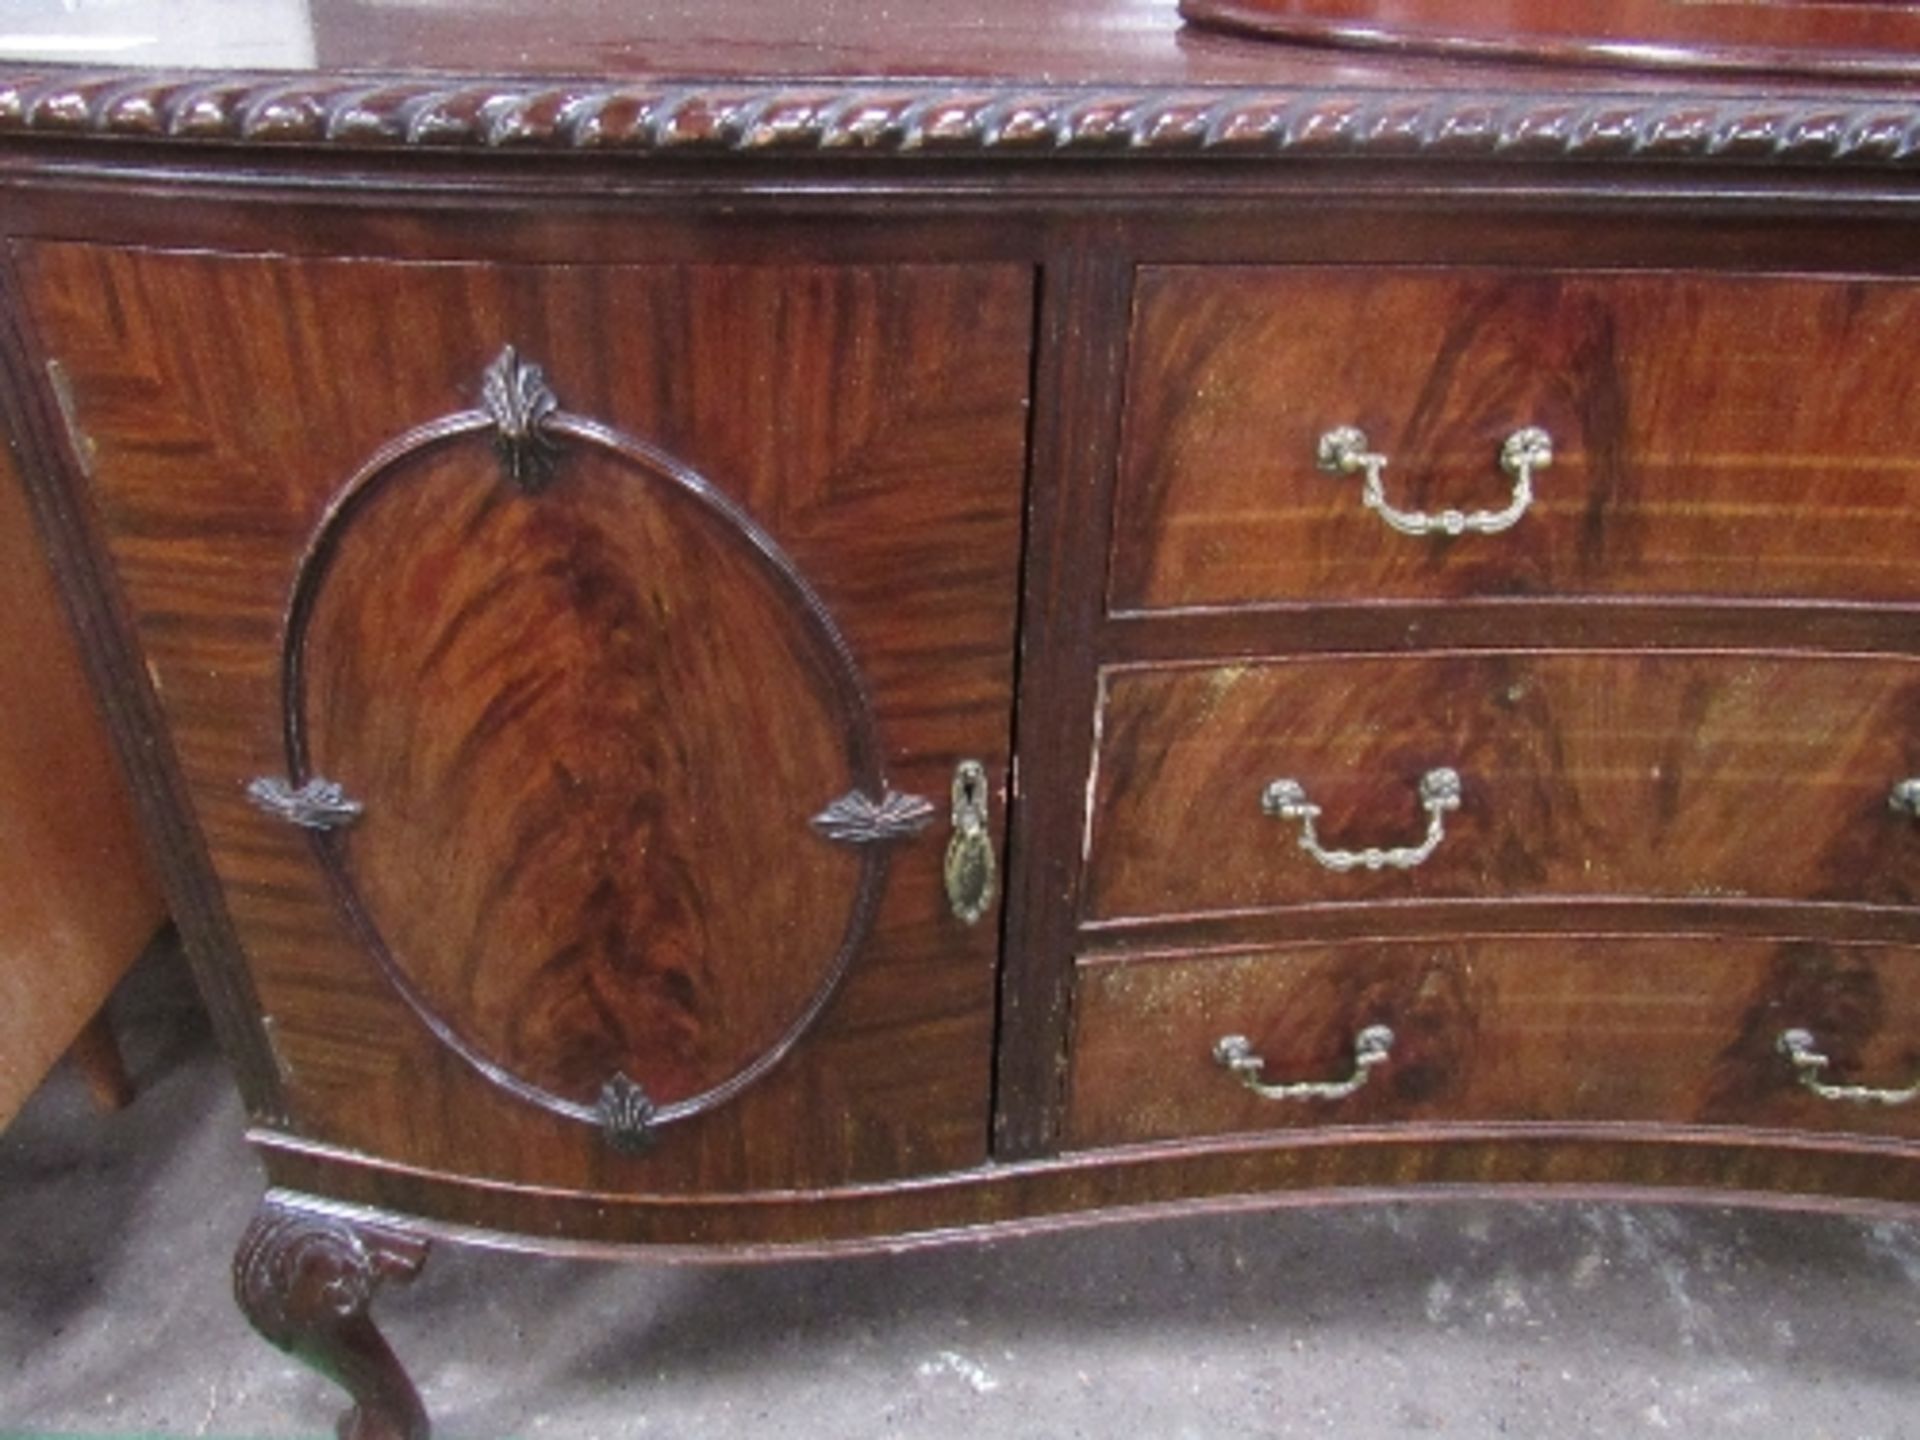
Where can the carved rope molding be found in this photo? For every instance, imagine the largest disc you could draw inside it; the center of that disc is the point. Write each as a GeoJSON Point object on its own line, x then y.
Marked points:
{"type": "Point", "coordinates": [931, 116]}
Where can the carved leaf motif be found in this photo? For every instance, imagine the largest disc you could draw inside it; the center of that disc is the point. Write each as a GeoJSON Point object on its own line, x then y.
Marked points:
{"type": "Point", "coordinates": [317, 805]}
{"type": "Point", "coordinates": [626, 1115]}
{"type": "Point", "coordinates": [855, 819]}
{"type": "Point", "coordinates": [516, 395]}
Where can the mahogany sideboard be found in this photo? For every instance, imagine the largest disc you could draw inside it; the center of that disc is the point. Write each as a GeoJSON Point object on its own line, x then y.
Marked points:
{"type": "Point", "coordinates": [763, 629]}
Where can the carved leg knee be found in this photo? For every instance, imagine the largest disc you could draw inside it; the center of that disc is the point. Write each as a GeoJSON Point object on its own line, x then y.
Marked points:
{"type": "Point", "coordinates": [304, 1279]}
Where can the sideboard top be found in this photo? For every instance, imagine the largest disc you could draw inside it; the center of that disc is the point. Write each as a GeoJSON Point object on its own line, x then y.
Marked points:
{"type": "Point", "coordinates": [1006, 77]}
{"type": "Point", "coordinates": [1064, 42]}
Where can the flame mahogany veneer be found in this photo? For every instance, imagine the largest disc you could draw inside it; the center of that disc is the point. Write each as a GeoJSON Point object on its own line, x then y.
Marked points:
{"type": "Point", "coordinates": [640, 495]}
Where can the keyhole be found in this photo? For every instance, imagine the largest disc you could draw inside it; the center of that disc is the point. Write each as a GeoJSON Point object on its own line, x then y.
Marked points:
{"type": "Point", "coordinates": [971, 784]}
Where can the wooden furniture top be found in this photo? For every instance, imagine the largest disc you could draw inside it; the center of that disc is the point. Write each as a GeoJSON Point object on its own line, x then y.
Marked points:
{"type": "Point", "coordinates": [1858, 38]}
{"type": "Point", "coordinates": [1024, 78]}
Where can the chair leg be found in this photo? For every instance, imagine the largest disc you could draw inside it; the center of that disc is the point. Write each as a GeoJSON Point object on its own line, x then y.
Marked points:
{"type": "Point", "coordinates": [97, 1053]}
{"type": "Point", "coordinates": [305, 1279]}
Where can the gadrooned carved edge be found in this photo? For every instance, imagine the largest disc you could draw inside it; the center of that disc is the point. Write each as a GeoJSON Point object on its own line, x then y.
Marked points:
{"type": "Point", "coordinates": [648, 118]}
{"type": "Point", "coordinates": [298, 1269]}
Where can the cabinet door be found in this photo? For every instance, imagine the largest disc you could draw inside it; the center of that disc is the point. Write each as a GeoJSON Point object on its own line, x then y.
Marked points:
{"type": "Point", "coordinates": [571, 667]}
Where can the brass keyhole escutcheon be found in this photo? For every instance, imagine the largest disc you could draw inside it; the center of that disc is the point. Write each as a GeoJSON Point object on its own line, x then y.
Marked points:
{"type": "Point", "coordinates": [969, 867]}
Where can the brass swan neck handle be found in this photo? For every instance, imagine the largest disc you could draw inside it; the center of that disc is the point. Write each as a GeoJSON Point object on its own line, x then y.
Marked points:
{"type": "Point", "coordinates": [1343, 451]}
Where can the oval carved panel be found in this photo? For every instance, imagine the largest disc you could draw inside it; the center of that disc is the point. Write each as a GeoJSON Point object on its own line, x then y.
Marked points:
{"type": "Point", "coordinates": [608, 801]}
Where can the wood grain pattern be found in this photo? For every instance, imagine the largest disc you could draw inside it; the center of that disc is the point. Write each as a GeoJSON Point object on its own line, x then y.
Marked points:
{"type": "Point", "coordinates": [1675, 1029]}
{"type": "Point", "coordinates": [1715, 1165]}
{"type": "Point", "coordinates": [826, 298]}
{"type": "Point", "coordinates": [817, 273]}
{"type": "Point", "coordinates": [1690, 777]}
{"type": "Point", "coordinates": [78, 901]}
{"type": "Point", "coordinates": [1713, 436]}
{"type": "Point", "coordinates": [1082, 348]}
{"type": "Point", "coordinates": [590, 733]}
{"type": "Point", "coordinates": [871, 418]}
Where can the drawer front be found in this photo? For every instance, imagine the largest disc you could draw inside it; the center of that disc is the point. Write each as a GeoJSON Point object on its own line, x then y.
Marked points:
{"type": "Point", "coordinates": [650, 672]}
{"type": "Point", "coordinates": [1681, 1030]}
{"type": "Point", "coordinates": [1594, 774]}
{"type": "Point", "coordinates": [1711, 436]}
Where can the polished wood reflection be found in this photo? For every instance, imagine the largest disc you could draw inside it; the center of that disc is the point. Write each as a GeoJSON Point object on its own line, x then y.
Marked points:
{"type": "Point", "coordinates": [1686, 777]}
{"type": "Point", "coordinates": [1714, 435]}
{"type": "Point", "coordinates": [1855, 39]}
{"type": "Point", "coordinates": [589, 740]}
{"type": "Point", "coordinates": [589, 733]}
{"type": "Point", "coordinates": [1679, 1029]}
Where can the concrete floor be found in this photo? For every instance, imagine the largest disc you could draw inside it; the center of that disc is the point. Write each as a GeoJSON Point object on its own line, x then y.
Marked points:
{"type": "Point", "coordinates": [1467, 1320]}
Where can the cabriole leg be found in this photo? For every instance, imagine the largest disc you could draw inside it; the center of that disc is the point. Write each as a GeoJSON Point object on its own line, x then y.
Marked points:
{"type": "Point", "coordinates": [305, 1278]}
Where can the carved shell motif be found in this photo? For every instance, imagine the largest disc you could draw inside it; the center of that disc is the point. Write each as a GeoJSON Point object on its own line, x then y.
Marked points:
{"type": "Point", "coordinates": [856, 819]}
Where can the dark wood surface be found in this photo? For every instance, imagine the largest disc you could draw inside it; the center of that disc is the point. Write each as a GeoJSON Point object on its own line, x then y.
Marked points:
{"type": "Point", "coordinates": [872, 360]}
{"type": "Point", "coordinates": [890, 475]}
{"type": "Point", "coordinates": [347, 1055]}
{"type": "Point", "coordinates": [1065, 39]}
{"type": "Point", "coordinates": [1057, 41]}
{"type": "Point", "coordinates": [1857, 38]}
{"type": "Point", "coordinates": [1678, 1029]}
{"type": "Point", "coordinates": [1712, 435]}
{"type": "Point", "coordinates": [590, 731]}
{"type": "Point", "coordinates": [306, 1281]}
{"type": "Point", "coordinates": [1001, 337]}
{"type": "Point", "coordinates": [1081, 350]}
{"type": "Point", "coordinates": [1704, 777]}
{"type": "Point", "coordinates": [1023, 79]}
{"type": "Point", "coordinates": [1325, 113]}
{"type": "Point", "coordinates": [1719, 1165]}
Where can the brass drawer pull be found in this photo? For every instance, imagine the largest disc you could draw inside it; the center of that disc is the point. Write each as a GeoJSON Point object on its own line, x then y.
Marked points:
{"type": "Point", "coordinates": [1343, 451]}
{"type": "Point", "coordinates": [1905, 797]}
{"type": "Point", "coordinates": [1439, 793]}
{"type": "Point", "coordinates": [1809, 1064]}
{"type": "Point", "coordinates": [969, 867]}
{"type": "Point", "coordinates": [1371, 1047]}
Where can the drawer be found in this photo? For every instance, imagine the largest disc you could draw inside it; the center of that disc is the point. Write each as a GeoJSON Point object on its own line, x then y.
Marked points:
{"type": "Point", "coordinates": [1725, 436]}
{"type": "Point", "coordinates": [1696, 776]}
{"type": "Point", "coordinates": [1681, 1030]}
